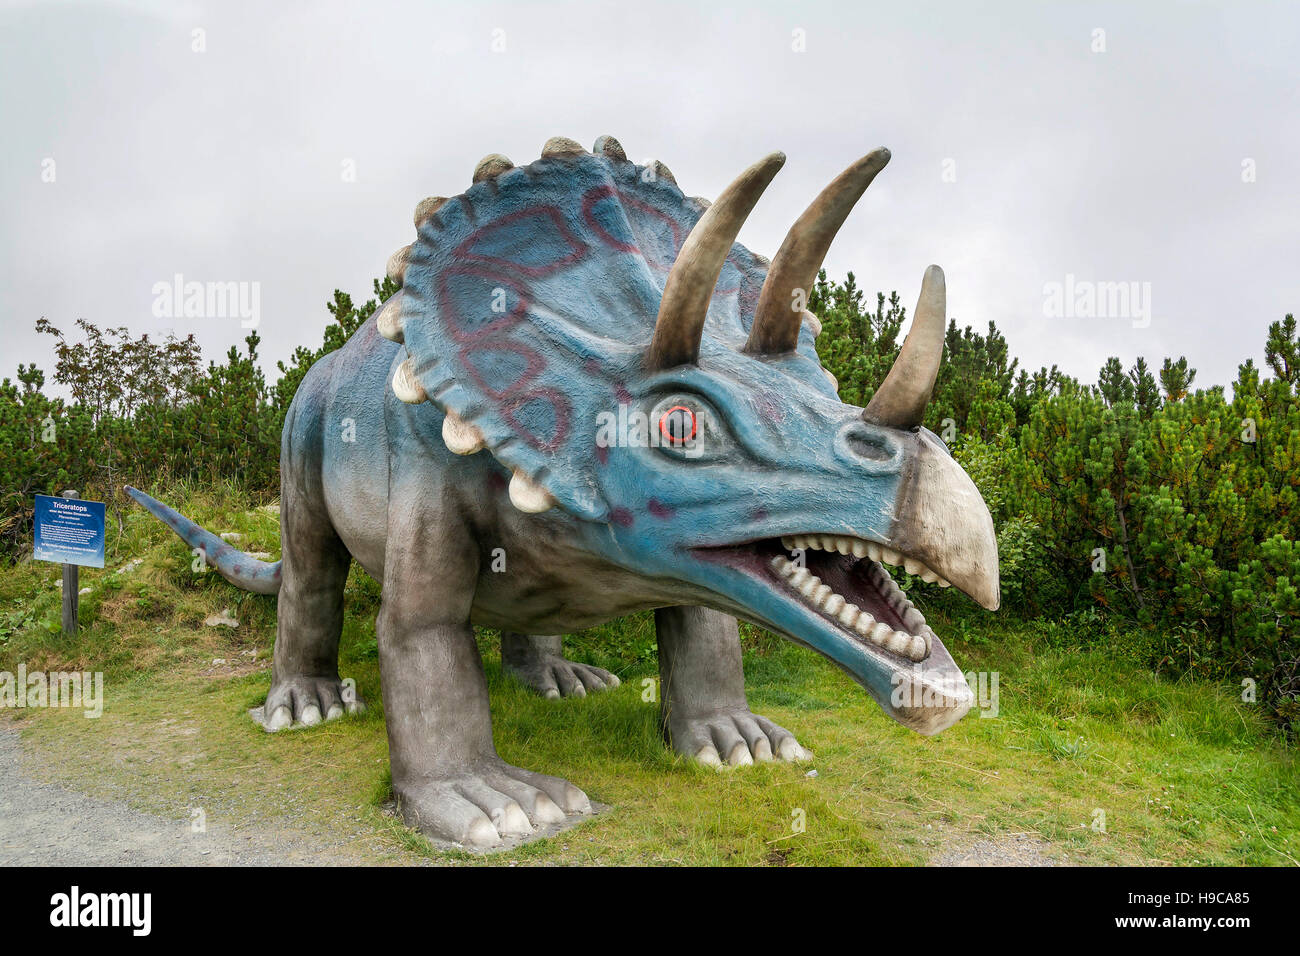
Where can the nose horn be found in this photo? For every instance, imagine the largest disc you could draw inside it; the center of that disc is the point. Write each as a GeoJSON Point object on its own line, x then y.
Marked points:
{"type": "Point", "coordinates": [902, 397]}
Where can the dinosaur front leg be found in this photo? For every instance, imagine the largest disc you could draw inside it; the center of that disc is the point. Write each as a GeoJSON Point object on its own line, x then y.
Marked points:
{"type": "Point", "coordinates": [447, 777]}
{"type": "Point", "coordinates": [538, 662]}
{"type": "Point", "coordinates": [702, 692]}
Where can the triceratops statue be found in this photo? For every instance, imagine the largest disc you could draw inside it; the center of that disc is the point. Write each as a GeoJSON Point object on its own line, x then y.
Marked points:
{"type": "Point", "coordinates": [588, 400]}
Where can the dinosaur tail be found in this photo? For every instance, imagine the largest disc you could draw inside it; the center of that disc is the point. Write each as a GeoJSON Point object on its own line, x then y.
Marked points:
{"type": "Point", "coordinates": [240, 569]}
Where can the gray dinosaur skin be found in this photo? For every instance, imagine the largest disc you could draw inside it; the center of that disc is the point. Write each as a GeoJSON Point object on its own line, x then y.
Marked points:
{"type": "Point", "coordinates": [429, 535]}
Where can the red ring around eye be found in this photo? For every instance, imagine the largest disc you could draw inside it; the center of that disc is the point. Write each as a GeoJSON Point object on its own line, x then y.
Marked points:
{"type": "Point", "coordinates": [677, 439]}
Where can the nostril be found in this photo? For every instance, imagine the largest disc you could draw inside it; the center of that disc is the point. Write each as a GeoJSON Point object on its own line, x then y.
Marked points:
{"type": "Point", "coordinates": [870, 450]}
{"type": "Point", "coordinates": [870, 447]}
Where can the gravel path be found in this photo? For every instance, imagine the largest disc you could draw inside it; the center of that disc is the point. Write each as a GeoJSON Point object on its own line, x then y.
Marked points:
{"type": "Point", "coordinates": [42, 824]}
{"type": "Point", "coordinates": [1017, 849]}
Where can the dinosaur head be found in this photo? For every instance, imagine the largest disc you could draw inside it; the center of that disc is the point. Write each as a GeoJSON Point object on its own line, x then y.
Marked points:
{"type": "Point", "coordinates": [656, 384]}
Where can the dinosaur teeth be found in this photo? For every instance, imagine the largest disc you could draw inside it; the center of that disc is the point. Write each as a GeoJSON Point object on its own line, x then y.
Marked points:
{"type": "Point", "coordinates": [528, 496]}
{"type": "Point", "coordinates": [821, 597]}
{"type": "Point", "coordinates": [899, 642]}
{"type": "Point", "coordinates": [460, 436]}
{"type": "Point", "coordinates": [389, 320]}
{"type": "Point", "coordinates": [861, 548]}
{"type": "Point", "coordinates": [406, 386]}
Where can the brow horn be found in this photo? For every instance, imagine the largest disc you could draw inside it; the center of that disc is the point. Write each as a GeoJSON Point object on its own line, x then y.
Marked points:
{"type": "Point", "coordinates": [689, 289]}
{"type": "Point", "coordinates": [797, 262]}
{"type": "Point", "coordinates": [901, 399]}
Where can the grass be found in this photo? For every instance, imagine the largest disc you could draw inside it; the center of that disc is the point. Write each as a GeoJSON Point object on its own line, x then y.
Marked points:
{"type": "Point", "coordinates": [1095, 758]}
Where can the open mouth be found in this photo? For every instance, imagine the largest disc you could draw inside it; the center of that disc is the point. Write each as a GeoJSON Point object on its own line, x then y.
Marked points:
{"type": "Point", "coordinates": [844, 580]}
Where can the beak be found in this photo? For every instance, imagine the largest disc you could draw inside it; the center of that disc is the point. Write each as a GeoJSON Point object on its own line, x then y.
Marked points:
{"type": "Point", "coordinates": [943, 521]}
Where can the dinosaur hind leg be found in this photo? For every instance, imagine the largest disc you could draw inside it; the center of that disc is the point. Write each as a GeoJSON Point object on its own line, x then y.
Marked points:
{"type": "Point", "coordinates": [305, 684]}
{"type": "Point", "coordinates": [537, 661]}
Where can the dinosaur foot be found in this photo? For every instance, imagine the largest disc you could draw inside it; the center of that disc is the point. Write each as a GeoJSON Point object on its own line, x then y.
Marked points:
{"type": "Point", "coordinates": [553, 676]}
{"type": "Point", "coordinates": [734, 738]}
{"type": "Point", "coordinates": [306, 701]}
{"type": "Point", "coordinates": [490, 803]}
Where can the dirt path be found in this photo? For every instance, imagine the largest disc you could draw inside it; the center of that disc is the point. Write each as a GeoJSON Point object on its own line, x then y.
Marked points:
{"type": "Point", "coordinates": [43, 824]}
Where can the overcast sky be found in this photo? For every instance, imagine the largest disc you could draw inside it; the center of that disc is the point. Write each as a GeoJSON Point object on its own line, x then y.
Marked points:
{"type": "Point", "coordinates": [1031, 142]}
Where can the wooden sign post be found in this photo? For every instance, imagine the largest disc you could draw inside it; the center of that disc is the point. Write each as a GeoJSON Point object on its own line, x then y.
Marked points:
{"type": "Point", "coordinates": [70, 587]}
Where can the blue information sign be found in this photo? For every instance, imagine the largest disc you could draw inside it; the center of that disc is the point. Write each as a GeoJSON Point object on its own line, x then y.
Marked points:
{"type": "Point", "coordinates": [69, 531]}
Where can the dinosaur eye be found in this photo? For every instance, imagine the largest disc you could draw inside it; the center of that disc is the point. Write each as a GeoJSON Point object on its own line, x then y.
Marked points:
{"type": "Point", "coordinates": [678, 425]}
{"type": "Point", "coordinates": [684, 426]}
